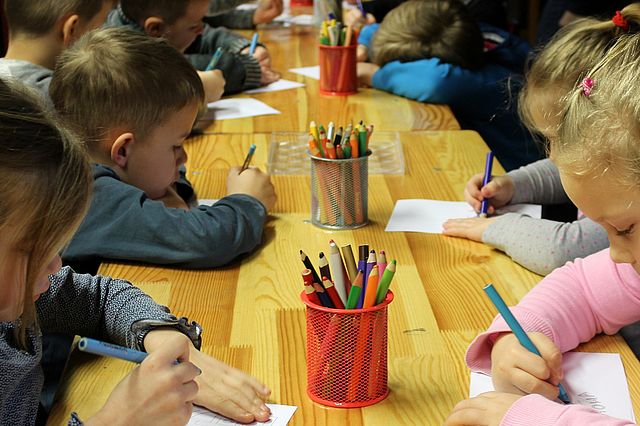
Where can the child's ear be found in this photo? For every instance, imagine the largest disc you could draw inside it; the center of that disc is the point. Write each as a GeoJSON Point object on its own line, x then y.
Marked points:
{"type": "Point", "coordinates": [70, 30]}
{"type": "Point", "coordinates": [121, 149]}
{"type": "Point", "coordinates": [154, 26]}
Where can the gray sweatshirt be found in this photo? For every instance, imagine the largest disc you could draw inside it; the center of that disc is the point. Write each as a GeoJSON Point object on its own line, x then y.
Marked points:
{"type": "Point", "coordinates": [241, 72]}
{"type": "Point", "coordinates": [223, 13]}
{"type": "Point", "coordinates": [98, 307]}
{"type": "Point", "coordinates": [538, 244]}
{"type": "Point", "coordinates": [28, 73]}
{"type": "Point", "coordinates": [124, 224]}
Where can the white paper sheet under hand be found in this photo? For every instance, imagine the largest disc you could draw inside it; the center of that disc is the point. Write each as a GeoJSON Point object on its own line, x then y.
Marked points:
{"type": "Point", "coordinates": [311, 72]}
{"type": "Point", "coordinates": [429, 215]}
{"type": "Point", "coordinates": [280, 416]}
{"type": "Point", "coordinates": [276, 86]}
{"type": "Point", "coordinates": [226, 109]}
{"type": "Point", "coordinates": [592, 379]}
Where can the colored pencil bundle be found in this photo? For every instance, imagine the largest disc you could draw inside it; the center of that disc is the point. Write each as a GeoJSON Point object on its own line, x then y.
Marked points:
{"type": "Point", "coordinates": [334, 33]}
{"type": "Point", "coordinates": [337, 58]}
{"type": "Point", "coordinates": [341, 143]}
{"type": "Point", "coordinates": [347, 350]}
{"type": "Point", "coordinates": [345, 284]}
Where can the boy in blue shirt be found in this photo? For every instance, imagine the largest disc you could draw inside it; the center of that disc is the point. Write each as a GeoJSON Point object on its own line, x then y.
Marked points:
{"type": "Point", "coordinates": [433, 51]}
{"type": "Point", "coordinates": [133, 99]}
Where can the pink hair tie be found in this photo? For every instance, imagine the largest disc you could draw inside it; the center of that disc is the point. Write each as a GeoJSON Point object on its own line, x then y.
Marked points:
{"type": "Point", "coordinates": [619, 21]}
{"type": "Point", "coordinates": [587, 85]}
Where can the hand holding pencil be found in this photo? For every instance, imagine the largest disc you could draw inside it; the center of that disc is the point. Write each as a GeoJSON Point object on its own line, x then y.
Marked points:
{"type": "Point", "coordinates": [252, 182]}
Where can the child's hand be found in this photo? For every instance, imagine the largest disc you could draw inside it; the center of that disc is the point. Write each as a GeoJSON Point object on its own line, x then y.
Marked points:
{"type": "Point", "coordinates": [229, 391]}
{"type": "Point", "coordinates": [487, 409]}
{"type": "Point", "coordinates": [500, 189]}
{"type": "Point", "coordinates": [366, 71]}
{"type": "Point", "coordinates": [252, 182]}
{"type": "Point", "coordinates": [172, 200]}
{"type": "Point", "coordinates": [267, 11]}
{"type": "Point", "coordinates": [471, 229]}
{"type": "Point", "coordinates": [264, 59]}
{"type": "Point", "coordinates": [516, 370]}
{"type": "Point", "coordinates": [362, 53]}
{"type": "Point", "coordinates": [157, 391]}
{"type": "Point", "coordinates": [213, 82]}
{"type": "Point", "coordinates": [355, 19]}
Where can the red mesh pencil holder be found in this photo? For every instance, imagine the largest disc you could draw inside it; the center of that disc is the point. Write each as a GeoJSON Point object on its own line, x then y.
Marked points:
{"type": "Point", "coordinates": [347, 354]}
{"type": "Point", "coordinates": [338, 74]}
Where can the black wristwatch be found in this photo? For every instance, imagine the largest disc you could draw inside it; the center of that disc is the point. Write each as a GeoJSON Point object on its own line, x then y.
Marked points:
{"type": "Point", "coordinates": [191, 329]}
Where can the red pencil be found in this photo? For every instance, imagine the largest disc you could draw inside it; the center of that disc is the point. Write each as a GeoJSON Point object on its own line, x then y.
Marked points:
{"type": "Point", "coordinates": [333, 294]}
{"type": "Point", "coordinates": [308, 287]}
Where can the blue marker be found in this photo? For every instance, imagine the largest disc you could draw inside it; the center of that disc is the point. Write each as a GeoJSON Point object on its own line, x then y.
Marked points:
{"type": "Point", "coordinates": [487, 178]}
{"type": "Point", "coordinates": [109, 349]}
{"type": "Point", "coordinates": [214, 60]}
{"type": "Point", "coordinates": [254, 43]}
{"type": "Point", "coordinates": [515, 326]}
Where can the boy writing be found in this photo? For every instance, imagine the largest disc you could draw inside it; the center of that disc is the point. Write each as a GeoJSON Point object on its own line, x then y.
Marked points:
{"type": "Point", "coordinates": [135, 121]}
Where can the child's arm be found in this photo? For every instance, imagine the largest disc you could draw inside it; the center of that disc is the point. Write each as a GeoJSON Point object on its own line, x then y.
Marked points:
{"type": "Point", "coordinates": [266, 11]}
{"type": "Point", "coordinates": [538, 183]}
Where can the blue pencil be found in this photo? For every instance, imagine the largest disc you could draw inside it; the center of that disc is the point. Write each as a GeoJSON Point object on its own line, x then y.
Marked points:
{"type": "Point", "coordinates": [515, 326]}
{"type": "Point", "coordinates": [247, 159]}
{"type": "Point", "coordinates": [214, 60]}
{"type": "Point", "coordinates": [109, 349]}
{"type": "Point", "coordinates": [254, 43]}
{"type": "Point", "coordinates": [487, 178]}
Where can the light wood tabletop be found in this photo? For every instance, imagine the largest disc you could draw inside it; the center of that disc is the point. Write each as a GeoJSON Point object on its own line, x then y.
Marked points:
{"type": "Point", "coordinates": [254, 319]}
{"type": "Point", "coordinates": [297, 47]}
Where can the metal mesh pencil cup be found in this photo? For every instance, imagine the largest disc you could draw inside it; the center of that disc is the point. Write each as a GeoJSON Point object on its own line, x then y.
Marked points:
{"type": "Point", "coordinates": [339, 192]}
{"type": "Point", "coordinates": [347, 354]}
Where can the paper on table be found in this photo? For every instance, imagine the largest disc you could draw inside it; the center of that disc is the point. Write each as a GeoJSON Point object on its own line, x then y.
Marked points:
{"type": "Point", "coordinates": [311, 72]}
{"type": "Point", "coordinates": [593, 379]}
{"type": "Point", "coordinates": [275, 86]}
{"type": "Point", "coordinates": [280, 416]}
{"type": "Point", "coordinates": [429, 215]}
{"type": "Point", "coordinates": [226, 109]}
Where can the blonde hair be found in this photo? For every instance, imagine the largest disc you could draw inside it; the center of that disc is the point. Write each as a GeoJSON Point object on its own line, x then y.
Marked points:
{"type": "Point", "coordinates": [45, 186]}
{"type": "Point", "coordinates": [38, 17]}
{"type": "Point", "coordinates": [419, 29]}
{"type": "Point", "coordinates": [118, 77]}
{"type": "Point", "coordinates": [600, 132]}
{"type": "Point", "coordinates": [565, 60]}
{"type": "Point", "coordinates": [169, 10]}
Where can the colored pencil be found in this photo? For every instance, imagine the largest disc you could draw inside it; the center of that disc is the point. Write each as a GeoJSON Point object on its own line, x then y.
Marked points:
{"type": "Point", "coordinates": [323, 265]}
{"type": "Point", "coordinates": [340, 277]}
{"type": "Point", "coordinates": [356, 289]}
{"type": "Point", "coordinates": [372, 287]}
{"type": "Point", "coordinates": [333, 293]}
{"type": "Point", "coordinates": [385, 282]}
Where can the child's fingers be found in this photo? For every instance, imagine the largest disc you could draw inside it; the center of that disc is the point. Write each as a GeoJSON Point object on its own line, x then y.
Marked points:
{"type": "Point", "coordinates": [186, 372]}
{"type": "Point", "coordinates": [551, 355]}
{"type": "Point", "coordinates": [241, 393]}
{"type": "Point", "coordinates": [528, 384]}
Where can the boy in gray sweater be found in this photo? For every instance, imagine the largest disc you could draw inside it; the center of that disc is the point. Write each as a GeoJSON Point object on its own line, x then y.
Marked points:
{"type": "Point", "coordinates": [39, 30]}
{"type": "Point", "coordinates": [134, 99]}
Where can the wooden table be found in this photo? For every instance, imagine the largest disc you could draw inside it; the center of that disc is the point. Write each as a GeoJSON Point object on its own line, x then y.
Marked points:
{"type": "Point", "coordinates": [297, 47]}
{"type": "Point", "coordinates": [253, 317]}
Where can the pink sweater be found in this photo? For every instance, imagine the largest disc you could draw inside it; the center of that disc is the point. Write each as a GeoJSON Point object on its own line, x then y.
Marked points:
{"type": "Point", "coordinates": [570, 306]}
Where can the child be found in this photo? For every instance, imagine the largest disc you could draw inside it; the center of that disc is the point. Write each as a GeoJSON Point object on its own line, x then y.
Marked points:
{"type": "Point", "coordinates": [596, 152]}
{"type": "Point", "coordinates": [135, 121]}
{"type": "Point", "coordinates": [225, 14]}
{"type": "Point", "coordinates": [543, 245]}
{"type": "Point", "coordinates": [432, 51]}
{"type": "Point", "coordinates": [45, 191]}
{"type": "Point", "coordinates": [40, 30]}
{"type": "Point", "coordinates": [180, 22]}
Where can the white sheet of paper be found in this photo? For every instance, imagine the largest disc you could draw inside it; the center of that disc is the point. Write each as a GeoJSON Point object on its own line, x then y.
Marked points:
{"type": "Point", "coordinates": [593, 379]}
{"type": "Point", "coordinates": [207, 202]}
{"type": "Point", "coordinates": [302, 20]}
{"type": "Point", "coordinates": [276, 86]}
{"type": "Point", "coordinates": [311, 72]}
{"type": "Point", "coordinates": [429, 215]}
{"type": "Point", "coordinates": [227, 109]}
{"type": "Point", "coordinates": [280, 416]}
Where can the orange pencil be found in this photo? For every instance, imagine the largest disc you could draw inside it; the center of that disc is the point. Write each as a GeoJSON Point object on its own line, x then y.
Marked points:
{"type": "Point", "coordinates": [313, 147]}
{"type": "Point", "coordinates": [333, 294]}
{"type": "Point", "coordinates": [330, 150]}
{"type": "Point", "coordinates": [353, 141]}
{"type": "Point", "coordinates": [372, 288]}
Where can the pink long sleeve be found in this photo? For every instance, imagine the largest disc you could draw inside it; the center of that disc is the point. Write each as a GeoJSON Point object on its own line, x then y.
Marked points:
{"type": "Point", "coordinates": [571, 305]}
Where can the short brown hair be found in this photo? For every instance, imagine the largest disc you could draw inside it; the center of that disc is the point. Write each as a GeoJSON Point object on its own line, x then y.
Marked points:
{"type": "Point", "coordinates": [419, 29]}
{"type": "Point", "coordinates": [38, 17]}
{"type": "Point", "coordinates": [118, 77]}
{"type": "Point", "coordinates": [168, 10]}
{"type": "Point", "coordinates": [45, 186]}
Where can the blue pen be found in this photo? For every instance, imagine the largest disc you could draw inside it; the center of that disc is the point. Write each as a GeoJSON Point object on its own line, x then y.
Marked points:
{"type": "Point", "coordinates": [109, 349]}
{"type": "Point", "coordinates": [254, 43]}
{"type": "Point", "coordinates": [361, 7]}
{"type": "Point", "coordinates": [487, 178]}
{"type": "Point", "coordinates": [247, 159]}
{"type": "Point", "coordinates": [214, 60]}
{"type": "Point", "coordinates": [515, 326]}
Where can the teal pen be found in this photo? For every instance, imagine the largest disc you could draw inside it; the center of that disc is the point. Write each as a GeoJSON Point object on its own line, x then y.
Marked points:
{"type": "Point", "coordinates": [520, 334]}
{"type": "Point", "coordinates": [109, 349]}
{"type": "Point", "coordinates": [248, 158]}
{"type": "Point", "coordinates": [214, 60]}
{"type": "Point", "coordinates": [254, 43]}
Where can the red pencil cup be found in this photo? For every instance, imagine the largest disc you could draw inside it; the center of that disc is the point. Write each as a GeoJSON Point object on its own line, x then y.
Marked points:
{"type": "Point", "coordinates": [338, 70]}
{"type": "Point", "coordinates": [347, 354]}
{"type": "Point", "coordinates": [301, 3]}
